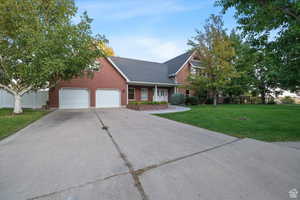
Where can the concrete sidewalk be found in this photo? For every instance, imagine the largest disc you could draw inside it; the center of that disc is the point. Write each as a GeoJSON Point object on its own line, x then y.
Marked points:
{"type": "Point", "coordinates": [170, 109]}
{"type": "Point", "coordinates": [295, 145]}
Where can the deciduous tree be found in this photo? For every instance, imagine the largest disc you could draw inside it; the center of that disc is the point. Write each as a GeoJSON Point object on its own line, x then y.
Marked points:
{"type": "Point", "coordinates": [278, 21]}
{"type": "Point", "coordinates": [107, 50]}
{"type": "Point", "coordinates": [243, 64]}
{"type": "Point", "coordinates": [39, 45]}
{"type": "Point", "coordinates": [255, 64]}
{"type": "Point", "coordinates": [215, 52]}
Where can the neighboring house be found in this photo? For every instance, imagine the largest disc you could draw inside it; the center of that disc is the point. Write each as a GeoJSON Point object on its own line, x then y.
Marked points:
{"type": "Point", "coordinates": [121, 80]}
{"type": "Point", "coordinates": [280, 94]}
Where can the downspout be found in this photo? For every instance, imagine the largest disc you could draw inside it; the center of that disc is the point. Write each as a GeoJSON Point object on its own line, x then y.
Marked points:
{"type": "Point", "coordinates": [126, 93]}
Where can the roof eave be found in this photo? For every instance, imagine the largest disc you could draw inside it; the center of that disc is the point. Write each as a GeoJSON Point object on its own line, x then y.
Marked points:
{"type": "Point", "coordinates": [187, 60]}
{"type": "Point", "coordinates": [151, 83]}
{"type": "Point", "coordinates": [118, 69]}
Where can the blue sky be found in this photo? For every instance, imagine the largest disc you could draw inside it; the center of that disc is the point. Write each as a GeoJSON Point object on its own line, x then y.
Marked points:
{"type": "Point", "coordinates": [154, 30]}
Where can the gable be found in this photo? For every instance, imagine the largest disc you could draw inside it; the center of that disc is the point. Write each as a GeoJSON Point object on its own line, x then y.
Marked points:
{"type": "Point", "coordinates": [134, 70]}
{"type": "Point", "coordinates": [175, 64]}
{"type": "Point", "coordinates": [142, 71]}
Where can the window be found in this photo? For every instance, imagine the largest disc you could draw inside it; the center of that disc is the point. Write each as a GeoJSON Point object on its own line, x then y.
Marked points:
{"type": "Point", "coordinates": [187, 93]}
{"type": "Point", "coordinates": [144, 95]}
{"type": "Point", "coordinates": [131, 93]}
{"type": "Point", "coordinates": [193, 71]}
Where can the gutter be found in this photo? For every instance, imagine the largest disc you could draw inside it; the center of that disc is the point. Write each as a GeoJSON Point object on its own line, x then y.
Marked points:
{"type": "Point", "coordinates": [151, 83]}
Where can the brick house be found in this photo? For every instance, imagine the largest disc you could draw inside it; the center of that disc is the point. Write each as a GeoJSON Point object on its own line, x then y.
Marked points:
{"type": "Point", "coordinates": [121, 80]}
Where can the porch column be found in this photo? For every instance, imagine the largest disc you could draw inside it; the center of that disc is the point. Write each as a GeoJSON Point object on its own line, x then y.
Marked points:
{"type": "Point", "coordinates": [155, 93]}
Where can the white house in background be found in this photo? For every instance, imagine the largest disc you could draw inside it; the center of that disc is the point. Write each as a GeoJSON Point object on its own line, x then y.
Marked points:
{"type": "Point", "coordinates": [286, 93]}
{"type": "Point", "coordinates": [29, 100]}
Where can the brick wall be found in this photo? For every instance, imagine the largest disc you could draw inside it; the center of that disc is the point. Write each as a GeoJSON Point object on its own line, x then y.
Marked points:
{"type": "Point", "coordinates": [108, 77]}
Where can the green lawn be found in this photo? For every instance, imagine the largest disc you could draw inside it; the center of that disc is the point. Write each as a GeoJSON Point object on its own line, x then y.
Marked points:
{"type": "Point", "coordinates": [10, 123]}
{"type": "Point", "coordinates": [261, 122]}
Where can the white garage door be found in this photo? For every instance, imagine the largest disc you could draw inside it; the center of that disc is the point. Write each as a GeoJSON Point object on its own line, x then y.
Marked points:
{"type": "Point", "coordinates": [108, 98]}
{"type": "Point", "coordinates": [74, 98]}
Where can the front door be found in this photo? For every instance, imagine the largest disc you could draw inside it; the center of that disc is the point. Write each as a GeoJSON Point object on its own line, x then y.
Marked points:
{"type": "Point", "coordinates": [162, 94]}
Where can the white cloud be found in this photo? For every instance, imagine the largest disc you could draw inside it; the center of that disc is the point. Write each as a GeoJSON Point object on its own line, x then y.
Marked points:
{"type": "Point", "coordinates": [120, 9]}
{"type": "Point", "coordinates": [147, 48]}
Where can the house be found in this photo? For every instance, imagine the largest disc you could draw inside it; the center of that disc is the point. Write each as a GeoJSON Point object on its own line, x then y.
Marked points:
{"type": "Point", "coordinates": [281, 94]}
{"type": "Point", "coordinates": [121, 80]}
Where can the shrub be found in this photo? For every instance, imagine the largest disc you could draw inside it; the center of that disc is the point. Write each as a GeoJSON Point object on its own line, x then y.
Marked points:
{"type": "Point", "coordinates": [227, 100]}
{"type": "Point", "coordinates": [177, 99]}
{"type": "Point", "coordinates": [192, 100]}
{"type": "Point", "coordinates": [287, 100]}
{"type": "Point", "coordinates": [147, 102]}
{"type": "Point", "coordinates": [256, 100]}
{"type": "Point", "coordinates": [271, 101]}
{"type": "Point", "coordinates": [155, 102]}
{"type": "Point", "coordinates": [209, 101]}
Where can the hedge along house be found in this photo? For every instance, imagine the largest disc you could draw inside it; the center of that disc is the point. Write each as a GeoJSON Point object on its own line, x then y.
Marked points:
{"type": "Point", "coordinates": [121, 80]}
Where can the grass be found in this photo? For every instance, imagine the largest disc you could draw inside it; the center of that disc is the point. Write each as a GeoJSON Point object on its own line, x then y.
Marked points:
{"type": "Point", "coordinates": [262, 122]}
{"type": "Point", "coordinates": [10, 123]}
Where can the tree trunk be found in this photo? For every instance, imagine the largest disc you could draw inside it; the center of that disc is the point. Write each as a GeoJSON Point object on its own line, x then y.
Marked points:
{"type": "Point", "coordinates": [18, 104]}
{"type": "Point", "coordinates": [205, 100]}
{"type": "Point", "coordinates": [17, 95]}
{"type": "Point", "coordinates": [215, 98]}
{"type": "Point", "coordinates": [263, 97]}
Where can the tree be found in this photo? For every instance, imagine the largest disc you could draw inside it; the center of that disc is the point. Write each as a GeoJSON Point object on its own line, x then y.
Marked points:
{"type": "Point", "coordinates": [255, 64]}
{"type": "Point", "coordinates": [262, 75]}
{"type": "Point", "coordinates": [40, 45]}
{"type": "Point", "coordinates": [107, 50]}
{"type": "Point", "coordinates": [261, 19]}
{"type": "Point", "coordinates": [243, 64]}
{"type": "Point", "coordinates": [215, 52]}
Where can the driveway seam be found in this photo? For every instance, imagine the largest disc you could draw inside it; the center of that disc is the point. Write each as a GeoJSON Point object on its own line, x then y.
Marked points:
{"type": "Point", "coordinates": [77, 186]}
{"type": "Point", "coordinates": [145, 169]}
{"type": "Point", "coordinates": [133, 173]}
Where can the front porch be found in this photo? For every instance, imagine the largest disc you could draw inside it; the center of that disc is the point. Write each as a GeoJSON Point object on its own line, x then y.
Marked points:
{"type": "Point", "coordinates": [151, 93]}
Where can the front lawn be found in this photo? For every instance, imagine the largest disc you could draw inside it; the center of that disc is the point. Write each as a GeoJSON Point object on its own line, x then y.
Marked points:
{"type": "Point", "coordinates": [261, 122]}
{"type": "Point", "coordinates": [10, 123]}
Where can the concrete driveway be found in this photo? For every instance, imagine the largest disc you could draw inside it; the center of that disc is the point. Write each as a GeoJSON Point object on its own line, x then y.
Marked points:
{"type": "Point", "coordinates": [118, 154]}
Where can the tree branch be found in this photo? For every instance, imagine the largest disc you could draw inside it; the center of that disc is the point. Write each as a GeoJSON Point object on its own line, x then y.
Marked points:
{"type": "Point", "coordinates": [285, 10]}
{"type": "Point", "coordinates": [7, 88]}
{"type": "Point", "coordinates": [25, 90]}
{"type": "Point", "coordinates": [290, 13]}
{"type": "Point", "coordinates": [1, 64]}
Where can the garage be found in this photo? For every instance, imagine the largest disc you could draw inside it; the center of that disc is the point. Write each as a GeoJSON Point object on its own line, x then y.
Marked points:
{"type": "Point", "coordinates": [107, 98]}
{"type": "Point", "coordinates": [74, 98]}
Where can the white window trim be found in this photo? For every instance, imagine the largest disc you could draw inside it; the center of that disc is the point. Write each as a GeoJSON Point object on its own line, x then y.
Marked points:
{"type": "Point", "coordinates": [134, 97]}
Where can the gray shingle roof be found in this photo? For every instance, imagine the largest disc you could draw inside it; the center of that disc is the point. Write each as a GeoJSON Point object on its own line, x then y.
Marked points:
{"type": "Point", "coordinates": [175, 63]}
{"type": "Point", "coordinates": [145, 71]}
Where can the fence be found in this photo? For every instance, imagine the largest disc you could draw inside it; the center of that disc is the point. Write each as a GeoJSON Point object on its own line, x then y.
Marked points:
{"type": "Point", "coordinates": [33, 99]}
{"type": "Point", "coordinates": [245, 100]}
